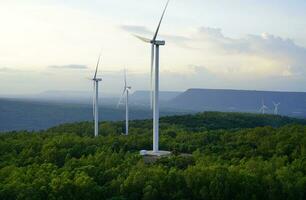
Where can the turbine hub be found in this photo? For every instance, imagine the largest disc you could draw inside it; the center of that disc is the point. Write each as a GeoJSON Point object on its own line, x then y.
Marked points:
{"type": "Point", "coordinates": [97, 79]}
{"type": "Point", "coordinates": [158, 42]}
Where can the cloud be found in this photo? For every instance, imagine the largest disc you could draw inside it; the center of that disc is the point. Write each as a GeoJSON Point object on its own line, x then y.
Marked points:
{"type": "Point", "coordinates": [136, 29]}
{"type": "Point", "coordinates": [12, 70]}
{"type": "Point", "coordinates": [256, 55]}
{"type": "Point", "coordinates": [6, 70]}
{"type": "Point", "coordinates": [72, 66]}
{"type": "Point", "coordinates": [278, 48]}
{"type": "Point", "coordinates": [252, 56]}
{"type": "Point", "coordinates": [215, 38]}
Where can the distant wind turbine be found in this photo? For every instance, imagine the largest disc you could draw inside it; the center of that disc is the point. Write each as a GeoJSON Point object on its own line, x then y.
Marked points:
{"type": "Point", "coordinates": [263, 108]}
{"type": "Point", "coordinates": [276, 105]}
{"type": "Point", "coordinates": [96, 98]}
{"type": "Point", "coordinates": [155, 99]}
{"type": "Point", "coordinates": [126, 91]}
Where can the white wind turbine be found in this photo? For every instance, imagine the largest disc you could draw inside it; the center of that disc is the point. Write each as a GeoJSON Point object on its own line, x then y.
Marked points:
{"type": "Point", "coordinates": [96, 98]}
{"type": "Point", "coordinates": [126, 91]}
{"type": "Point", "coordinates": [276, 105]}
{"type": "Point", "coordinates": [155, 97]}
{"type": "Point", "coordinates": [263, 108]}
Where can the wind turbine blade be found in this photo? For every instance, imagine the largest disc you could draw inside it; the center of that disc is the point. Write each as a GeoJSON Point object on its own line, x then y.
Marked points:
{"type": "Point", "coordinates": [95, 76]}
{"type": "Point", "coordinates": [151, 76]}
{"type": "Point", "coordinates": [142, 38]}
{"type": "Point", "coordinates": [161, 19]}
{"type": "Point", "coordinates": [125, 78]}
{"type": "Point", "coordinates": [122, 95]}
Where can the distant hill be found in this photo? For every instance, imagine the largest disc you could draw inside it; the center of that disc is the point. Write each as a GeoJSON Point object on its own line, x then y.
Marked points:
{"type": "Point", "coordinates": [35, 114]}
{"type": "Point", "coordinates": [139, 97]}
{"type": "Point", "coordinates": [144, 96]}
{"type": "Point", "coordinates": [16, 114]}
{"type": "Point", "coordinates": [292, 103]}
{"type": "Point", "coordinates": [65, 96]}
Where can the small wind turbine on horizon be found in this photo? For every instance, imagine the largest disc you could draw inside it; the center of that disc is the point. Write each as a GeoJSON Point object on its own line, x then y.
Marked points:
{"type": "Point", "coordinates": [126, 91]}
{"type": "Point", "coordinates": [276, 105]}
{"type": "Point", "coordinates": [96, 99]}
{"type": "Point", "coordinates": [263, 108]}
{"type": "Point", "coordinates": [155, 44]}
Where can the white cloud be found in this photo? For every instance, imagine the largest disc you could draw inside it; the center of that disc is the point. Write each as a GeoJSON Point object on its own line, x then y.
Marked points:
{"type": "Point", "coordinates": [256, 55]}
{"type": "Point", "coordinates": [13, 70]}
{"type": "Point", "coordinates": [72, 66]}
{"type": "Point", "coordinates": [6, 70]}
{"type": "Point", "coordinates": [137, 29]}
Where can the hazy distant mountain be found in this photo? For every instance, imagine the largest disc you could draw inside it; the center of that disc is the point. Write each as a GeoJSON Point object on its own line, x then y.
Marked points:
{"type": "Point", "coordinates": [292, 103]}
{"type": "Point", "coordinates": [139, 98]}
{"type": "Point", "coordinates": [43, 110]}
{"type": "Point", "coordinates": [65, 96]}
{"type": "Point", "coordinates": [73, 94]}
{"type": "Point", "coordinates": [16, 114]}
{"type": "Point", "coordinates": [61, 107]}
{"type": "Point", "coordinates": [144, 96]}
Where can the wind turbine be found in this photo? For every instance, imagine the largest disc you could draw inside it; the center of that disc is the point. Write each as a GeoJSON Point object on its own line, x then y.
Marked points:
{"type": "Point", "coordinates": [276, 105]}
{"type": "Point", "coordinates": [263, 108]}
{"type": "Point", "coordinates": [126, 91]}
{"type": "Point", "coordinates": [96, 98]}
{"type": "Point", "coordinates": [155, 44]}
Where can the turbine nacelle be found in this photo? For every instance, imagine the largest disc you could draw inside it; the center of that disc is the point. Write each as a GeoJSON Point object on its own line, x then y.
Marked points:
{"type": "Point", "coordinates": [147, 40]}
{"type": "Point", "coordinates": [97, 79]}
{"type": "Point", "coordinates": [158, 42]}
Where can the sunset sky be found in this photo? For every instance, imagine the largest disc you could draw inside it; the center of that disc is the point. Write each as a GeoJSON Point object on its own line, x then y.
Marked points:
{"type": "Point", "coordinates": [228, 44]}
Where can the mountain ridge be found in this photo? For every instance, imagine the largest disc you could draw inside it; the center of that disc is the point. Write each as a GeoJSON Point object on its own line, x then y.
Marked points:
{"type": "Point", "coordinates": [228, 100]}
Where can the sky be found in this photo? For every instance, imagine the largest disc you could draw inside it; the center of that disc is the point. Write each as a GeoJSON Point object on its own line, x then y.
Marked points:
{"type": "Point", "coordinates": [223, 44]}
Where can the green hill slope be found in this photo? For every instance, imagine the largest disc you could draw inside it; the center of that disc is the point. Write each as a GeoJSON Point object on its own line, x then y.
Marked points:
{"type": "Point", "coordinates": [195, 123]}
{"type": "Point", "coordinates": [234, 156]}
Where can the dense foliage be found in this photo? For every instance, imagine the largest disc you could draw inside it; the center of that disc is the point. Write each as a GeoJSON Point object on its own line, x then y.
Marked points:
{"type": "Point", "coordinates": [215, 156]}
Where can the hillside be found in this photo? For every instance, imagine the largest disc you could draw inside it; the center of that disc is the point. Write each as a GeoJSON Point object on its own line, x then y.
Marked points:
{"type": "Point", "coordinates": [234, 156]}
{"type": "Point", "coordinates": [195, 123]}
{"type": "Point", "coordinates": [292, 103]}
{"type": "Point", "coordinates": [219, 120]}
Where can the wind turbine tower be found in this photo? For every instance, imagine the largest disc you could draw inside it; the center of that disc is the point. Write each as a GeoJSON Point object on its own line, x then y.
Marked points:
{"type": "Point", "coordinates": [126, 91]}
{"type": "Point", "coordinates": [263, 108]}
{"type": "Point", "coordinates": [276, 105]}
{"type": "Point", "coordinates": [155, 44]}
{"type": "Point", "coordinates": [96, 99]}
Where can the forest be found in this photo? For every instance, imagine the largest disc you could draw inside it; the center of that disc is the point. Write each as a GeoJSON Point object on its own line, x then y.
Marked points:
{"type": "Point", "coordinates": [214, 156]}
